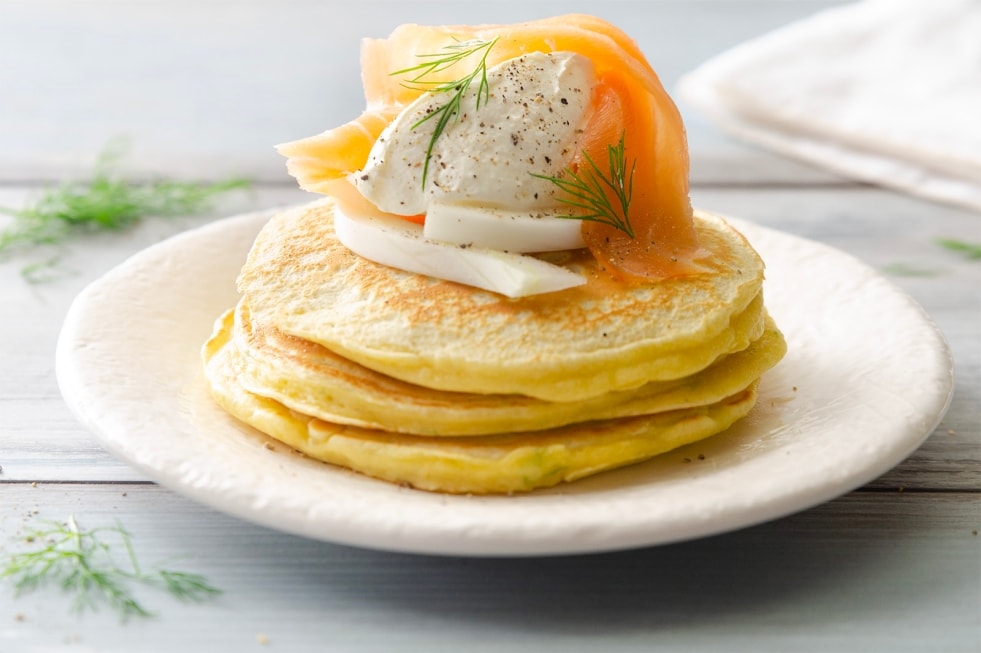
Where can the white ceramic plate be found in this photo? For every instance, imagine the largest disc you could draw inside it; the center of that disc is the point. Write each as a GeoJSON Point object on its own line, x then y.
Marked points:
{"type": "Point", "coordinates": [867, 378]}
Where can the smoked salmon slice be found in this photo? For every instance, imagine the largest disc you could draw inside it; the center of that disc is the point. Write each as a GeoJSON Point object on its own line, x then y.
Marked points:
{"type": "Point", "coordinates": [628, 102]}
{"type": "Point", "coordinates": [337, 152]}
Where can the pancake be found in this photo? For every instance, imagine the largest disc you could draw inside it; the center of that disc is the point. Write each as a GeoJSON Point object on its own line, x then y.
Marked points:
{"type": "Point", "coordinates": [515, 462]}
{"type": "Point", "coordinates": [313, 380]}
{"type": "Point", "coordinates": [572, 345]}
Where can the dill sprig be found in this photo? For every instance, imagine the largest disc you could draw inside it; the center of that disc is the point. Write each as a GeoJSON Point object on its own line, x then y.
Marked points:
{"type": "Point", "coordinates": [82, 563]}
{"type": "Point", "coordinates": [436, 63]}
{"type": "Point", "coordinates": [106, 202]}
{"type": "Point", "coordinates": [902, 269]}
{"type": "Point", "coordinates": [972, 251]}
{"type": "Point", "coordinates": [588, 191]}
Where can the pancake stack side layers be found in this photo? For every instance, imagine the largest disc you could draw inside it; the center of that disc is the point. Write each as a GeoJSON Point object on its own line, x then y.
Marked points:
{"type": "Point", "coordinates": [431, 381]}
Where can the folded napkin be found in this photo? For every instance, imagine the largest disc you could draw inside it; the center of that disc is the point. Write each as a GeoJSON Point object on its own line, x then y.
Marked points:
{"type": "Point", "coordinates": [885, 91]}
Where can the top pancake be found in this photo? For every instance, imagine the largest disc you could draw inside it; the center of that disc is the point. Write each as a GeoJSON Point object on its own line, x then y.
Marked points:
{"type": "Point", "coordinates": [563, 346]}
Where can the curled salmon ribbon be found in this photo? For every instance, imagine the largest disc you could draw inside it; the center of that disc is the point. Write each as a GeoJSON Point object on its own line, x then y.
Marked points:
{"type": "Point", "coordinates": [628, 102]}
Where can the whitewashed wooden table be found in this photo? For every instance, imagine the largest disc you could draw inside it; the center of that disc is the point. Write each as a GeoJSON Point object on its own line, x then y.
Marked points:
{"type": "Point", "coordinates": [204, 90]}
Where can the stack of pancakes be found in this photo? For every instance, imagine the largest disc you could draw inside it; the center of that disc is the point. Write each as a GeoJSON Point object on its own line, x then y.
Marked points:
{"type": "Point", "coordinates": [445, 387]}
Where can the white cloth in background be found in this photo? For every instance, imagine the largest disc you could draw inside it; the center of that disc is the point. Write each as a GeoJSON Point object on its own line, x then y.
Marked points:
{"type": "Point", "coordinates": [885, 91]}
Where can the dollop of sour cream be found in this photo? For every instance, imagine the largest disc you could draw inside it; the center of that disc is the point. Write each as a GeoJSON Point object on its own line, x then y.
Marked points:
{"type": "Point", "coordinates": [487, 156]}
{"type": "Point", "coordinates": [482, 191]}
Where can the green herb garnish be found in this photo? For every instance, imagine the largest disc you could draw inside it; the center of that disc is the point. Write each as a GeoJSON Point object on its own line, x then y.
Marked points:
{"type": "Point", "coordinates": [106, 202]}
{"type": "Point", "coordinates": [81, 562]}
{"type": "Point", "coordinates": [970, 250]}
{"type": "Point", "coordinates": [908, 270]}
{"type": "Point", "coordinates": [588, 190]}
{"type": "Point", "coordinates": [437, 63]}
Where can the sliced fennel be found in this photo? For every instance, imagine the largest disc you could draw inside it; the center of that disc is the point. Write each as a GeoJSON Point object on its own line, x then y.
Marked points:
{"type": "Point", "coordinates": [502, 230]}
{"type": "Point", "coordinates": [401, 244]}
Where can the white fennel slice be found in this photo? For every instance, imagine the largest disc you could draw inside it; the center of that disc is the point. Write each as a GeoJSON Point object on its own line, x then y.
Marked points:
{"type": "Point", "coordinates": [503, 230]}
{"type": "Point", "coordinates": [401, 244]}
